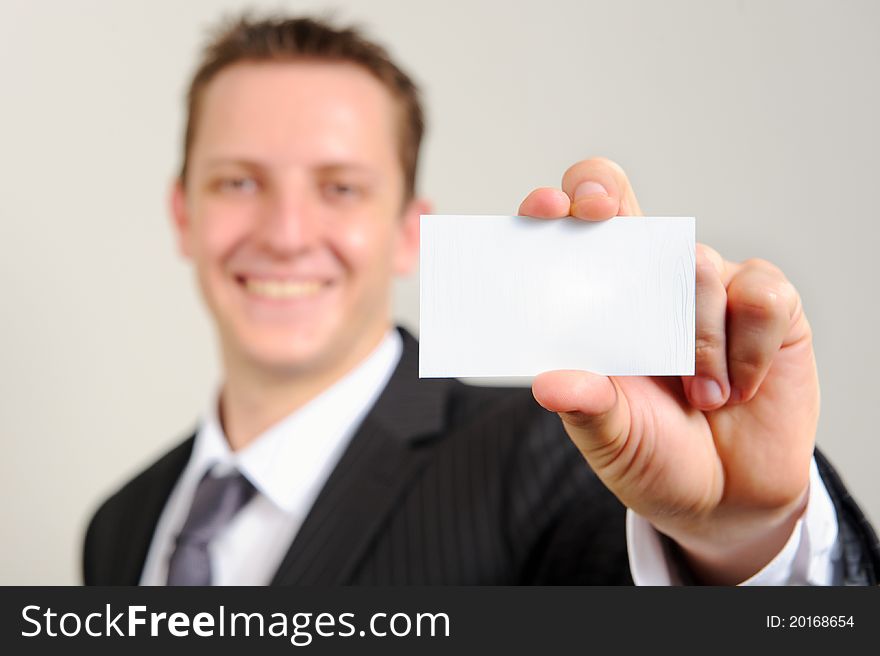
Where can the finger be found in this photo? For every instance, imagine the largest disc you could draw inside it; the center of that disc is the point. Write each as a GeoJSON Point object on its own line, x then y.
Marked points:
{"type": "Point", "coordinates": [599, 190]}
{"type": "Point", "coordinates": [593, 411]}
{"type": "Point", "coordinates": [761, 306]}
{"type": "Point", "coordinates": [545, 203]}
{"type": "Point", "coordinates": [709, 388]}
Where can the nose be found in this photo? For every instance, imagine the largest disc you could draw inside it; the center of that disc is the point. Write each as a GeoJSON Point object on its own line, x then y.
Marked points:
{"type": "Point", "coordinates": [289, 224]}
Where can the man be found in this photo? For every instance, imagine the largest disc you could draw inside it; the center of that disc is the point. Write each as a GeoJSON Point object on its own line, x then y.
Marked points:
{"type": "Point", "coordinates": [326, 460]}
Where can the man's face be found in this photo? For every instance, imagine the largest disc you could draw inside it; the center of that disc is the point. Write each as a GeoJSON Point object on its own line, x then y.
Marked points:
{"type": "Point", "coordinates": [293, 214]}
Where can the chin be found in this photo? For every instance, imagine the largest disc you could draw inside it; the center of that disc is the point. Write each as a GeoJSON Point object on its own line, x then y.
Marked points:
{"type": "Point", "coordinates": [313, 345]}
{"type": "Point", "coordinates": [292, 353]}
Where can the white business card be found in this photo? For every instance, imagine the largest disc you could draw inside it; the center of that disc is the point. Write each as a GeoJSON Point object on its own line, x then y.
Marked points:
{"type": "Point", "coordinates": [515, 296]}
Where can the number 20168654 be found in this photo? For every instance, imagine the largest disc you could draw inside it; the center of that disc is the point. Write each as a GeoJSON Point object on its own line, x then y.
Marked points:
{"type": "Point", "coordinates": [810, 622]}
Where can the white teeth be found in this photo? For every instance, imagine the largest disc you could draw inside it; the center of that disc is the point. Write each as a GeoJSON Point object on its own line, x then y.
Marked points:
{"type": "Point", "coordinates": [282, 288]}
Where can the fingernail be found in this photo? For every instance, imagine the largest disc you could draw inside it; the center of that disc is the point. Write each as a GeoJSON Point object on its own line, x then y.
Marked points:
{"type": "Point", "coordinates": [589, 188]}
{"type": "Point", "coordinates": [706, 392]}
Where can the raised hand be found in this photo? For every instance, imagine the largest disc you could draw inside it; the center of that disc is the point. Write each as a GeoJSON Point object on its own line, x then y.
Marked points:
{"type": "Point", "coordinates": [718, 461]}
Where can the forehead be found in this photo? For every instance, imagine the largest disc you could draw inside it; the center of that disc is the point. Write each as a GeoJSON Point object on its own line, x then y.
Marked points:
{"type": "Point", "coordinates": [296, 112]}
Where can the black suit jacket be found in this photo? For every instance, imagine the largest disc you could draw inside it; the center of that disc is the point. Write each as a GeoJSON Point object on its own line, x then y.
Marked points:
{"type": "Point", "coordinates": [443, 483]}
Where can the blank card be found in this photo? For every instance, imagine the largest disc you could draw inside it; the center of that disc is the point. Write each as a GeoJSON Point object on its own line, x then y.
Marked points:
{"type": "Point", "coordinates": [515, 296]}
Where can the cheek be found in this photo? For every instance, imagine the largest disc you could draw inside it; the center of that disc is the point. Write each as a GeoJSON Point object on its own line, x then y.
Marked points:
{"type": "Point", "coordinates": [218, 234]}
{"type": "Point", "coordinates": [366, 249]}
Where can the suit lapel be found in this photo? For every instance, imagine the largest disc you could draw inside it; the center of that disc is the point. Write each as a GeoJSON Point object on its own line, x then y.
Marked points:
{"type": "Point", "coordinates": [139, 526]}
{"type": "Point", "coordinates": [386, 453]}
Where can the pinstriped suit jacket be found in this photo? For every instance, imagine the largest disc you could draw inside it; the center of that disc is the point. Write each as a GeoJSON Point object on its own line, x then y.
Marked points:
{"type": "Point", "coordinates": [443, 483]}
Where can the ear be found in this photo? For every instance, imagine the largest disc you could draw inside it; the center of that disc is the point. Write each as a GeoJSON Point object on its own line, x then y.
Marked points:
{"type": "Point", "coordinates": [180, 218]}
{"type": "Point", "coordinates": [407, 251]}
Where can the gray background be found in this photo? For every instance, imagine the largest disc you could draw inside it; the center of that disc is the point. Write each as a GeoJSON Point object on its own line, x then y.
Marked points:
{"type": "Point", "coordinates": [759, 118]}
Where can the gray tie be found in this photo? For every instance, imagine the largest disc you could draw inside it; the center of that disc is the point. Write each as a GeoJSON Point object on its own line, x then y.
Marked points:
{"type": "Point", "coordinates": [216, 501]}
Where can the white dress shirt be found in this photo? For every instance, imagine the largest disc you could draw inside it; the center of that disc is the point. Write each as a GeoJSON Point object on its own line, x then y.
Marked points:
{"type": "Point", "coordinates": [291, 461]}
{"type": "Point", "coordinates": [288, 464]}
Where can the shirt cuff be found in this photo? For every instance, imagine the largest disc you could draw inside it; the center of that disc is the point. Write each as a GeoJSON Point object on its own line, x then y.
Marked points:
{"type": "Point", "coordinates": [808, 558]}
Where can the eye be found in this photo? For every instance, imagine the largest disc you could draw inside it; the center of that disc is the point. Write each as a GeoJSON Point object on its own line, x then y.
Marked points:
{"type": "Point", "coordinates": [238, 184]}
{"type": "Point", "coordinates": [341, 191]}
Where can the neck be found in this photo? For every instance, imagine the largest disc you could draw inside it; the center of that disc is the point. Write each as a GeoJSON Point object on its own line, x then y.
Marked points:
{"type": "Point", "coordinates": [254, 398]}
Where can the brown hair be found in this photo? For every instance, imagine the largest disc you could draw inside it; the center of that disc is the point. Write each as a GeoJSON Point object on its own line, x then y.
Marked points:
{"type": "Point", "coordinates": [291, 39]}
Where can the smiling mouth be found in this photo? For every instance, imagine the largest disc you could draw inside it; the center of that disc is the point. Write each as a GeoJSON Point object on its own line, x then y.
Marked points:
{"type": "Point", "coordinates": [282, 289]}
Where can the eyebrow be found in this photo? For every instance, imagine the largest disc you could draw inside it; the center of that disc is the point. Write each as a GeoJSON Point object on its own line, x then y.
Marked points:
{"type": "Point", "coordinates": [347, 167]}
{"type": "Point", "coordinates": [329, 167]}
{"type": "Point", "coordinates": [233, 161]}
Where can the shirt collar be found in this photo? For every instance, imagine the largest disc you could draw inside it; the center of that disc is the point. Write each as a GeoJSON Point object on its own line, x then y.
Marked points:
{"type": "Point", "coordinates": [290, 462]}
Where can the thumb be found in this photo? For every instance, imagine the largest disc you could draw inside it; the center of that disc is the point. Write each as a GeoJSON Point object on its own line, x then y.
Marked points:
{"type": "Point", "coordinates": [593, 410]}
